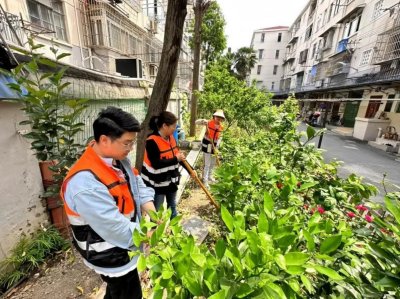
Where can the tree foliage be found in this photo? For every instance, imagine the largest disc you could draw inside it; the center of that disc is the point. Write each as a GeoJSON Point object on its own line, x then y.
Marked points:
{"type": "Point", "coordinates": [243, 105]}
{"type": "Point", "coordinates": [244, 60]}
{"type": "Point", "coordinates": [213, 35]}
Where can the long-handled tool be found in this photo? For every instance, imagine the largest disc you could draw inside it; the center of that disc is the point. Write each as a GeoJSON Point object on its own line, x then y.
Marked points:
{"type": "Point", "coordinates": [197, 179]}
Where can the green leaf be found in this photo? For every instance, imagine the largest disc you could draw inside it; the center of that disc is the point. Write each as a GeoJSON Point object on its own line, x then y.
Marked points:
{"type": "Point", "coordinates": [332, 274]}
{"type": "Point", "coordinates": [220, 248]}
{"type": "Point", "coordinates": [280, 260]}
{"type": "Point", "coordinates": [268, 202]}
{"type": "Point", "coordinates": [192, 285]}
{"type": "Point", "coordinates": [262, 224]}
{"type": "Point", "coordinates": [310, 132]}
{"type": "Point", "coordinates": [198, 258]}
{"type": "Point", "coordinates": [277, 289]}
{"type": "Point", "coordinates": [330, 244]}
{"type": "Point", "coordinates": [62, 55]}
{"type": "Point", "coordinates": [137, 238]}
{"type": "Point", "coordinates": [395, 210]}
{"type": "Point", "coordinates": [25, 122]}
{"type": "Point", "coordinates": [220, 295]}
{"type": "Point", "coordinates": [141, 263]}
{"type": "Point", "coordinates": [310, 240]}
{"type": "Point", "coordinates": [227, 218]}
{"type": "Point", "coordinates": [307, 283]}
{"type": "Point", "coordinates": [296, 258]}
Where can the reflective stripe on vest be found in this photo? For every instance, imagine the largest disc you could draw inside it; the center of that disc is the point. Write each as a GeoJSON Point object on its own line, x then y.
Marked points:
{"type": "Point", "coordinates": [90, 245]}
{"type": "Point", "coordinates": [161, 177]}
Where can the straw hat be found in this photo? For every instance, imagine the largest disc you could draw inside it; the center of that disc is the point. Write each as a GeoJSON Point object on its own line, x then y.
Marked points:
{"type": "Point", "coordinates": [219, 113]}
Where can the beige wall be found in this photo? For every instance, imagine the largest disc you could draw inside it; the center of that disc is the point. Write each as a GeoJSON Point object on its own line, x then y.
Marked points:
{"type": "Point", "coordinates": [20, 185]}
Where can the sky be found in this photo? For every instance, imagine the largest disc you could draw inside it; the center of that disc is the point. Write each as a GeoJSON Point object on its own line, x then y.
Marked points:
{"type": "Point", "coordinates": [244, 16]}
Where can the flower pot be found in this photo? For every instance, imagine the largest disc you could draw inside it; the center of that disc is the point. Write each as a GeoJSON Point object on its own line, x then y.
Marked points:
{"type": "Point", "coordinates": [47, 173]}
{"type": "Point", "coordinates": [58, 216]}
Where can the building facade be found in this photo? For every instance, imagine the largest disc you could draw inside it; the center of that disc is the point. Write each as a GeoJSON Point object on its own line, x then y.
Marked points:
{"type": "Point", "coordinates": [269, 45]}
{"type": "Point", "coordinates": [342, 58]}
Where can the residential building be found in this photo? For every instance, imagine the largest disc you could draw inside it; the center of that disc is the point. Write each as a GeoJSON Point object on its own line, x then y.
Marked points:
{"type": "Point", "coordinates": [269, 45]}
{"type": "Point", "coordinates": [115, 48]}
{"type": "Point", "coordinates": [342, 58]}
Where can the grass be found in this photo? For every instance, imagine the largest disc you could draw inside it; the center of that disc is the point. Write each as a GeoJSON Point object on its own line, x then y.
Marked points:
{"type": "Point", "coordinates": [28, 254]}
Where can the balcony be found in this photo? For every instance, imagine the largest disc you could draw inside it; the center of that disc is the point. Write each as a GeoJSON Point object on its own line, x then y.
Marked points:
{"type": "Point", "coordinates": [352, 7]}
{"type": "Point", "coordinates": [17, 38]}
{"type": "Point", "coordinates": [110, 28]}
{"type": "Point", "coordinates": [387, 47]}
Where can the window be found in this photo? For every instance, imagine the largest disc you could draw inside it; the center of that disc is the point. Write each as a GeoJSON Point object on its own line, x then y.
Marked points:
{"type": "Point", "coordinates": [51, 18]}
{"type": "Point", "coordinates": [337, 6]}
{"type": "Point", "coordinates": [262, 37]}
{"type": "Point", "coordinates": [275, 71]}
{"type": "Point", "coordinates": [366, 57]}
{"type": "Point", "coordinates": [308, 33]}
{"type": "Point", "coordinates": [258, 69]}
{"type": "Point", "coordinates": [398, 107]}
{"type": "Point", "coordinates": [272, 85]}
{"type": "Point", "coordinates": [377, 9]}
{"type": "Point", "coordinates": [129, 67]}
{"type": "Point", "coordinates": [279, 37]}
{"type": "Point", "coordinates": [260, 53]}
{"type": "Point", "coordinates": [276, 54]}
{"type": "Point", "coordinates": [389, 103]}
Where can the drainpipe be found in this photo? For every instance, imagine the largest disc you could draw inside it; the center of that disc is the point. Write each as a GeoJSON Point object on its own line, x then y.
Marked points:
{"type": "Point", "coordinates": [79, 34]}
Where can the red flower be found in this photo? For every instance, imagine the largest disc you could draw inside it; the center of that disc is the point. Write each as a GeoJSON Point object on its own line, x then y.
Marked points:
{"type": "Point", "coordinates": [321, 210]}
{"type": "Point", "coordinates": [351, 214]}
{"type": "Point", "coordinates": [298, 184]}
{"type": "Point", "coordinates": [361, 208]}
{"type": "Point", "coordinates": [279, 185]}
{"type": "Point", "coordinates": [305, 206]}
{"type": "Point", "coordinates": [369, 218]}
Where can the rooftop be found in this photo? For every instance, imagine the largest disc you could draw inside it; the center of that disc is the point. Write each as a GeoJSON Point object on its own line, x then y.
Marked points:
{"type": "Point", "coordinates": [273, 28]}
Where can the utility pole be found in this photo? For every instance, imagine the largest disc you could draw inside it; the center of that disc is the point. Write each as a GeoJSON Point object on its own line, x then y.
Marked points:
{"type": "Point", "coordinates": [200, 8]}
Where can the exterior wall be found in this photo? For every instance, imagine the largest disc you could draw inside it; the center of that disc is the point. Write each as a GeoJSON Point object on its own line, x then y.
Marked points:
{"type": "Point", "coordinates": [269, 46]}
{"type": "Point", "coordinates": [22, 211]}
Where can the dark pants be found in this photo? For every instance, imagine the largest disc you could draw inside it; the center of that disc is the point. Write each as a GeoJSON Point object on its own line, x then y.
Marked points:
{"type": "Point", "coordinates": [123, 287]}
{"type": "Point", "coordinates": [171, 202]}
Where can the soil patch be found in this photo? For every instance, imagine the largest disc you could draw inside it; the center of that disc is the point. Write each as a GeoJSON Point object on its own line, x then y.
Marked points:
{"type": "Point", "coordinates": [65, 277]}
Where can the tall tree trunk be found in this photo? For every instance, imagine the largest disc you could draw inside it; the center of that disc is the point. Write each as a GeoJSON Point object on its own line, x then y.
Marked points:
{"type": "Point", "coordinates": [173, 34]}
{"type": "Point", "coordinates": [198, 18]}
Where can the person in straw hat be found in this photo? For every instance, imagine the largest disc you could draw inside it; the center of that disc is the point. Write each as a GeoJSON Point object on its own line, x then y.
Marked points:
{"type": "Point", "coordinates": [211, 142]}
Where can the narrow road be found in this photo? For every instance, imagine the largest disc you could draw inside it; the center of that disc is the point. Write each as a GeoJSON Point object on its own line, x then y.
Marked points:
{"type": "Point", "coordinates": [362, 159]}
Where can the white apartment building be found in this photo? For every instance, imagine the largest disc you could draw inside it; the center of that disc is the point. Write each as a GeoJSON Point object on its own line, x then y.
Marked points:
{"type": "Point", "coordinates": [342, 58]}
{"type": "Point", "coordinates": [269, 45]}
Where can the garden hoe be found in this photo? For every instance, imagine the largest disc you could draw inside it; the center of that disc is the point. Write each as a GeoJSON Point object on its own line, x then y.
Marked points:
{"type": "Point", "coordinates": [197, 179]}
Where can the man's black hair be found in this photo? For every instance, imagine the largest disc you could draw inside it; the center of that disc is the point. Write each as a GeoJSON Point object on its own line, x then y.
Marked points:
{"type": "Point", "coordinates": [113, 122]}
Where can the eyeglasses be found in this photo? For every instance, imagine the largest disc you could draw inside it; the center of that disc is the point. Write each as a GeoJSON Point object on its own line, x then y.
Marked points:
{"type": "Point", "coordinates": [128, 145]}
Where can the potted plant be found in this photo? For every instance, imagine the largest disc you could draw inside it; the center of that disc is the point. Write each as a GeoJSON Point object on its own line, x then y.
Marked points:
{"type": "Point", "coordinates": [53, 119]}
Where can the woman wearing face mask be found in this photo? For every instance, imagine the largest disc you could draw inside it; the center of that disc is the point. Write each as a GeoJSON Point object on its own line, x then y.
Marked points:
{"type": "Point", "coordinates": [162, 159]}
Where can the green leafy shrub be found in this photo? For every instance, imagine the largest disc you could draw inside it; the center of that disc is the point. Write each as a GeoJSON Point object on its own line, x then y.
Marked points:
{"type": "Point", "coordinates": [28, 254]}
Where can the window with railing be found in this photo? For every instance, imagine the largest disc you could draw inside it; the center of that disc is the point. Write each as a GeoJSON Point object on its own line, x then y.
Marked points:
{"type": "Point", "coordinates": [48, 17]}
{"type": "Point", "coordinates": [377, 9]}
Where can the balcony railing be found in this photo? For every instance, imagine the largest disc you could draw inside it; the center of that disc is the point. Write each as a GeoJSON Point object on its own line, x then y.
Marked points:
{"type": "Point", "coordinates": [12, 36]}
{"type": "Point", "coordinates": [387, 47]}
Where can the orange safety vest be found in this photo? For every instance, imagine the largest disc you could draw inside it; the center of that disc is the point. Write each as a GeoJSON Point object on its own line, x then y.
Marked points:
{"type": "Point", "coordinates": [161, 177]}
{"type": "Point", "coordinates": [89, 244]}
{"type": "Point", "coordinates": [117, 186]}
{"type": "Point", "coordinates": [212, 135]}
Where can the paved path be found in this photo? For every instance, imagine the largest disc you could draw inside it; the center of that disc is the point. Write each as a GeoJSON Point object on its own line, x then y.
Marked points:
{"type": "Point", "coordinates": [361, 159]}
